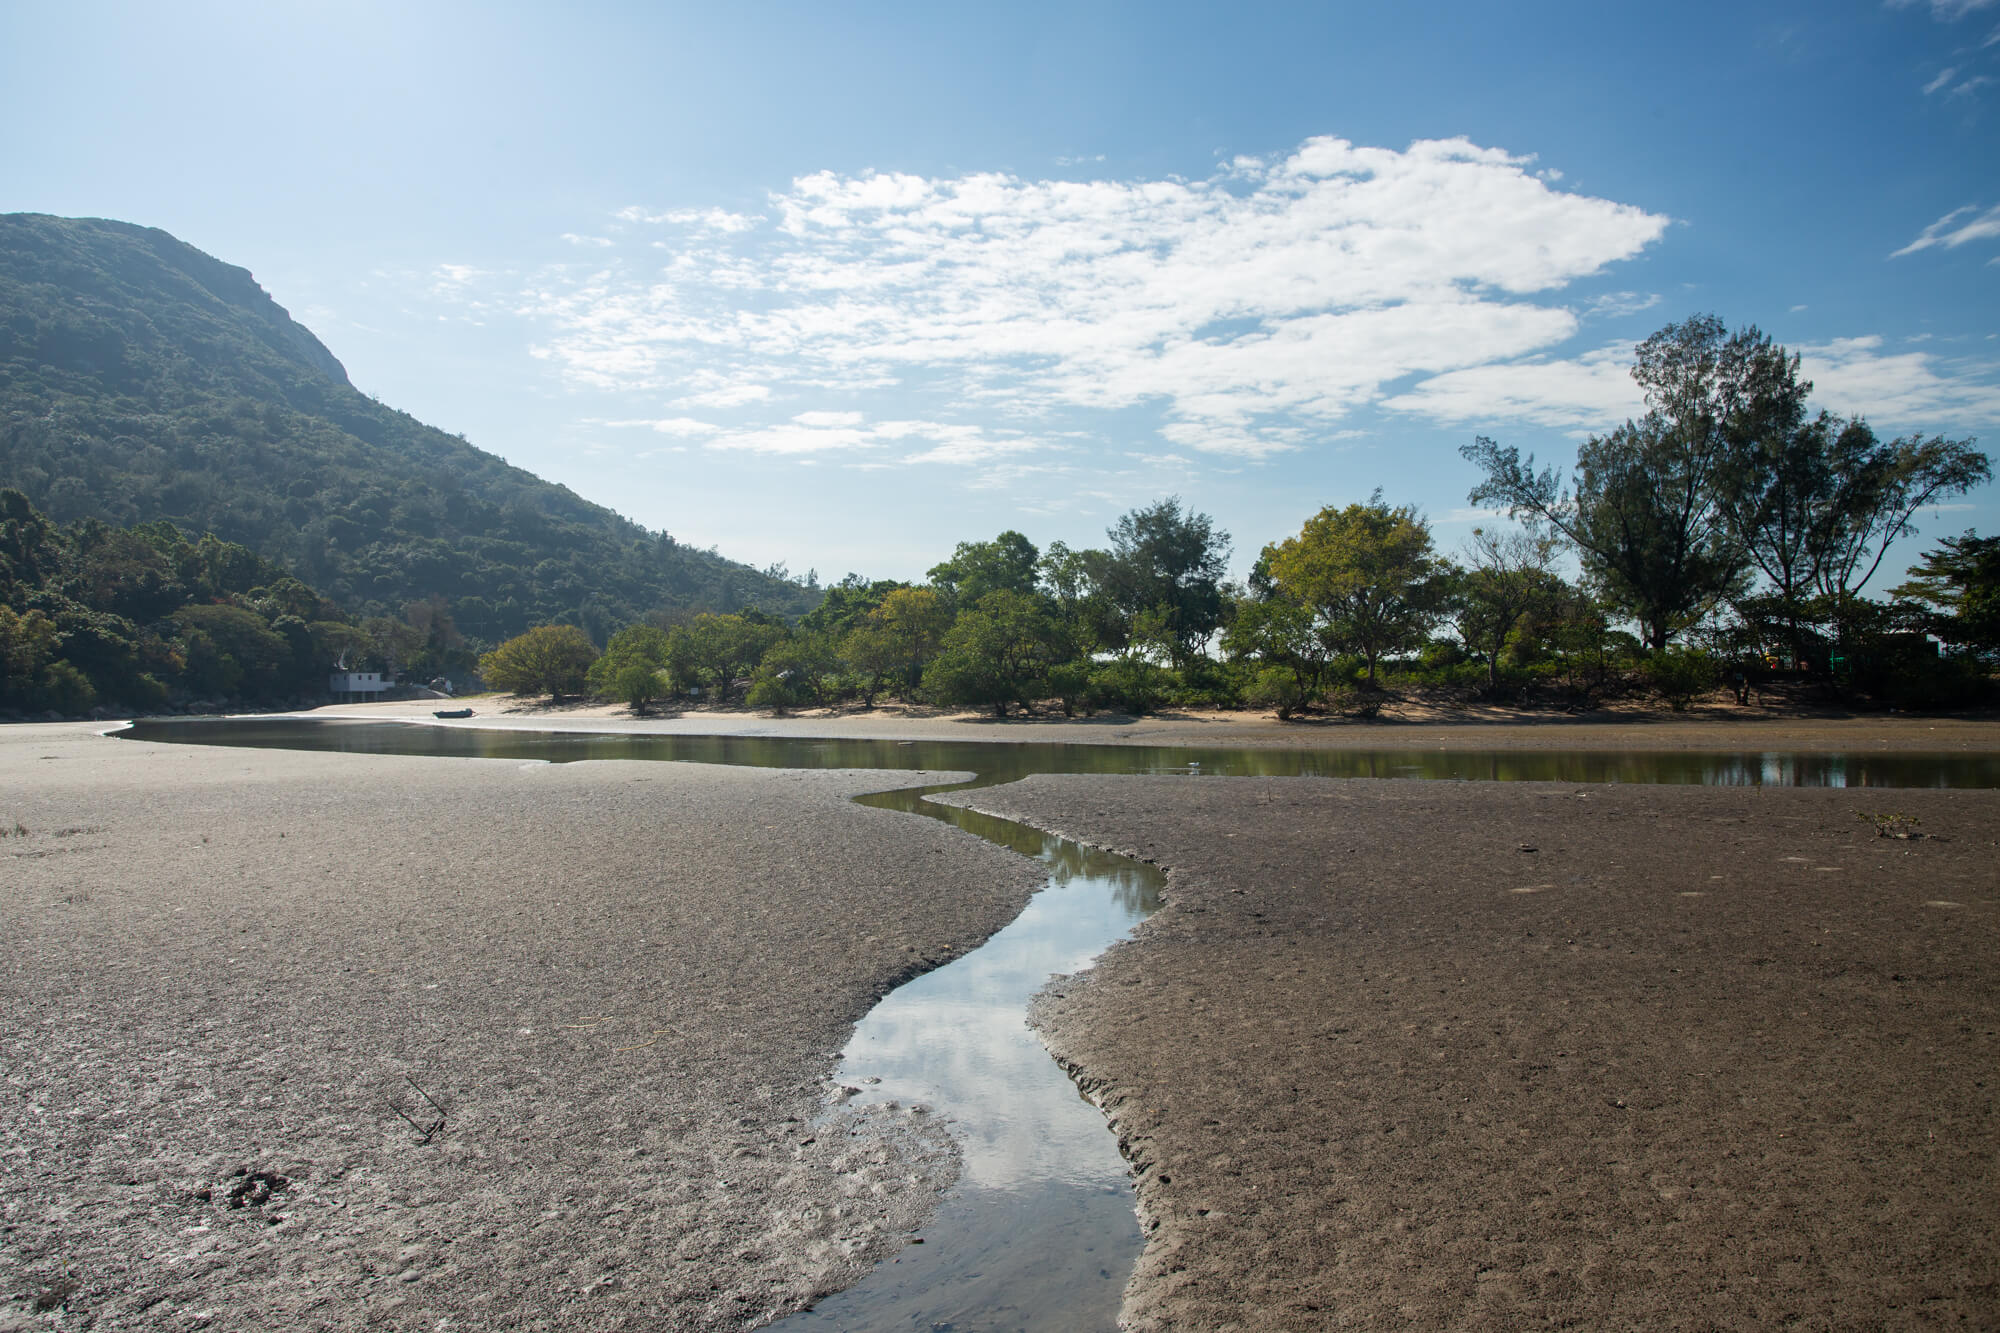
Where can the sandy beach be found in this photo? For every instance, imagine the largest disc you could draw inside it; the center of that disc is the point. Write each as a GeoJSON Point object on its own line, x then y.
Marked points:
{"type": "Point", "coordinates": [1393, 1055]}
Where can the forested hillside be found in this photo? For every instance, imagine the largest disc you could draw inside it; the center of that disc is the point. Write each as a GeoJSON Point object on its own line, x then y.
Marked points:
{"type": "Point", "coordinates": [141, 379]}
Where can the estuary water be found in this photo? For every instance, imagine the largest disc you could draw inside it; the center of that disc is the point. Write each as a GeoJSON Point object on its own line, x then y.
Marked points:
{"type": "Point", "coordinates": [1040, 1231]}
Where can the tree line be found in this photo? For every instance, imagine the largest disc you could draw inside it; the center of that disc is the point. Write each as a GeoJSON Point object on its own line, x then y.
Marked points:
{"type": "Point", "coordinates": [145, 618]}
{"type": "Point", "coordinates": [1732, 527]}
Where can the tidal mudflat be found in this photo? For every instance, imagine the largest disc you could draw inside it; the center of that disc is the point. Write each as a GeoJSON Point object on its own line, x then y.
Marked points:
{"type": "Point", "coordinates": [1501, 1055]}
{"type": "Point", "coordinates": [230, 975]}
{"type": "Point", "coordinates": [1395, 1053]}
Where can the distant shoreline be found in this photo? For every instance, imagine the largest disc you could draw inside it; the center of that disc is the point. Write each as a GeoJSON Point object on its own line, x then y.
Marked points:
{"type": "Point", "coordinates": [1710, 728]}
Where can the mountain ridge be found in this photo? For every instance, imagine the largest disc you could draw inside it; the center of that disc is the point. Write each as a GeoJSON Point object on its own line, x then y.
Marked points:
{"type": "Point", "coordinates": [143, 379]}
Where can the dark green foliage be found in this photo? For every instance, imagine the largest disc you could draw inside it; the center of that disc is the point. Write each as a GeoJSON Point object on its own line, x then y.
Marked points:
{"type": "Point", "coordinates": [633, 669]}
{"type": "Point", "coordinates": [978, 568]}
{"type": "Point", "coordinates": [141, 379]}
{"type": "Point", "coordinates": [716, 651]}
{"type": "Point", "coordinates": [1169, 562]}
{"type": "Point", "coordinates": [997, 653]}
{"type": "Point", "coordinates": [1681, 675]}
{"type": "Point", "coordinates": [1954, 593]}
{"type": "Point", "coordinates": [141, 618]}
{"type": "Point", "coordinates": [1130, 685]}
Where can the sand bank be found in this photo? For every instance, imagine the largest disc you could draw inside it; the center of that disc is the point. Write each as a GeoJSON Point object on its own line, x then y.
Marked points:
{"type": "Point", "coordinates": [1717, 727]}
{"type": "Point", "coordinates": [1444, 1055]}
{"type": "Point", "coordinates": [623, 983]}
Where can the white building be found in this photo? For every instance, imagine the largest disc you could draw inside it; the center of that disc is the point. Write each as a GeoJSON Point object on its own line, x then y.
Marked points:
{"type": "Point", "coordinates": [357, 686]}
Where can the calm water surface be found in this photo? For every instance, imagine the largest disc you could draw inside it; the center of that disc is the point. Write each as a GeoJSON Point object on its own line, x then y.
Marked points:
{"type": "Point", "coordinates": [1039, 1232]}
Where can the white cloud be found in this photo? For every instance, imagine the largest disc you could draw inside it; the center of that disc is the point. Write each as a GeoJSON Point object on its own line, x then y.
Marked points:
{"type": "Point", "coordinates": [1945, 76]}
{"type": "Point", "coordinates": [733, 395]}
{"type": "Point", "coordinates": [1617, 305]}
{"type": "Point", "coordinates": [719, 220]}
{"type": "Point", "coordinates": [1946, 11]}
{"type": "Point", "coordinates": [1585, 393]}
{"type": "Point", "coordinates": [1956, 228]}
{"type": "Point", "coordinates": [1900, 391]}
{"type": "Point", "coordinates": [1255, 308]}
{"type": "Point", "coordinates": [575, 239]}
{"type": "Point", "coordinates": [821, 432]}
{"type": "Point", "coordinates": [681, 426]}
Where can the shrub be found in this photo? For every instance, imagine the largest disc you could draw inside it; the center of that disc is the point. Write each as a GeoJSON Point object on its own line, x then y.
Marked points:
{"type": "Point", "coordinates": [774, 689]}
{"type": "Point", "coordinates": [549, 659]}
{"type": "Point", "coordinates": [1681, 675]}
{"type": "Point", "coordinates": [1069, 682]}
{"type": "Point", "coordinates": [1130, 685]}
{"type": "Point", "coordinates": [638, 685]}
{"type": "Point", "coordinates": [1278, 689]}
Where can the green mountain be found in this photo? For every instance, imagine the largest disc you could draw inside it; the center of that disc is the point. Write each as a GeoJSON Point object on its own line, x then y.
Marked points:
{"type": "Point", "coordinates": [141, 379]}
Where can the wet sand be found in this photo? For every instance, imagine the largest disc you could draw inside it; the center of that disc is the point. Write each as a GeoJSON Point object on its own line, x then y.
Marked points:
{"type": "Point", "coordinates": [1378, 1066]}
{"type": "Point", "coordinates": [1494, 1056]}
{"type": "Point", "coordinates": [623, 983]}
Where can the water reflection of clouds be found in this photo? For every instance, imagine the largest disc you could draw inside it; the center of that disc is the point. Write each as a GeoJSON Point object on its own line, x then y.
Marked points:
{"type": "Point", "coordinates": [956, 1038]}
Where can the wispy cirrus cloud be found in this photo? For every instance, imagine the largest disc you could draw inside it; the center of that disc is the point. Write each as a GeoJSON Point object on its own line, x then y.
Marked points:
{"type": "Point", "coordinates": [1958, 227]}
{"type": "Point", "coordinates": [830, 432]}
{"type": "Point", "coordinates": [1946, 11]}
{"type": "Point", "coordinates": [1253, 310]}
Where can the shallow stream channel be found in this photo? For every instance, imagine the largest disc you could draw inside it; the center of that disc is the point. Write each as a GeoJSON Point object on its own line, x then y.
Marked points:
{"type": "Point", "coordinates": [1040, 1231]}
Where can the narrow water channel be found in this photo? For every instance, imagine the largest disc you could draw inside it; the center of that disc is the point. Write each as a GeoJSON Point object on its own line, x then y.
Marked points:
{"type": "Point", "coordinates": [1040, 1231]}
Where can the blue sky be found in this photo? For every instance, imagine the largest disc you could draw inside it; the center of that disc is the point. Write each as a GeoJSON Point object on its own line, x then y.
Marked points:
{"type": "Point", "coordinates": [839, 286]}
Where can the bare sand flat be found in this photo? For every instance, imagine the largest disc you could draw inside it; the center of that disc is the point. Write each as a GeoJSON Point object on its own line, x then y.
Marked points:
{"type": "Point", "coordinates": [624, 983]}
{"type": "Point", "coordinates": [1498, 1056]}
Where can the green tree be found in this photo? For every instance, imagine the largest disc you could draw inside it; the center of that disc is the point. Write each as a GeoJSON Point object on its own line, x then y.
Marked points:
{"type": "Point", "coordinates": [720, 649]}
{"type": "Point", "coordinates": [1171, 561]}
{"type": "Point", "coordinates": [1646, 508]}
{"type": "Point", "coordinates": [1507, 578]}
{"type": "Point", "coordinates": [978, 568]}
{"type": "Point", "coordinates": [1816, 504]}
{"type": "Point", "coordinates": [911, 624]}
{"type": "Point", "coordinates": [997, 653]}
{"type": "Point", "coordinates": [1281, 635]}
{"type": "Point", "coordinates": [846, 602]}
{"type": "Point", "coordinates": [549, 659]}
{"type": "Point", "coordinates": [633, 667]}
{"type": "Point", "coordinates": [793, 672]}
{"type": "Point", "coordinates": [1367, 574]}
{"type": "Point", "coordinates": [1073, 585]}
{"type": "Point", "coordinates": [1955, 593]}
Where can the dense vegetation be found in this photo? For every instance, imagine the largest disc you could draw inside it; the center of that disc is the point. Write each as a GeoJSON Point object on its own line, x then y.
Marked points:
{"type": "Point", "coordinates": [1731, 526]}
{"type": "Point", "coordinates": [142, 380]}
{"type": "Point", "coordinates": [207, 511]}
{"type": "Point", "coordinates": [144, 618]}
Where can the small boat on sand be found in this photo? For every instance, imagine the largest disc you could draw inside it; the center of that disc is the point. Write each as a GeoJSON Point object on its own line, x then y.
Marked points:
{"type": "Point", "coordinates": [452, 712]}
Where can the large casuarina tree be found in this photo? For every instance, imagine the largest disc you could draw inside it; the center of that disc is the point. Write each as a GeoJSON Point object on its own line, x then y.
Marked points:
{"type": "Point", "coordinates": [1726, 472]}
{"type": "Point", "coordinates": [1645, 506]}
